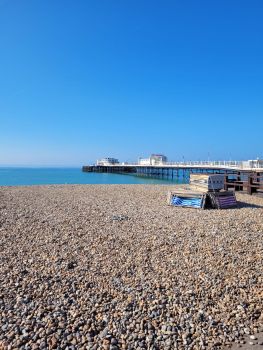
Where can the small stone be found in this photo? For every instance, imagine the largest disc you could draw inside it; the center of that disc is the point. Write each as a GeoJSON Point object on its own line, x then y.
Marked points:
{"type": "Point", "coordinates": [103, 333]}
{"type": "Point", "coordinates": [114, 341]}
{"type": "Point", "coordinates": [164, 328]}
{"type": "Point", "coordinates": [53, 342]}
{"type": "Point", "coordinates": [71, 265]}
{"type": "Point", "coordinates": [246, 330]}
{"type": "Point", "coordinates": [42, 345]}
{"type": "Point", "coordinates": [113, 347]}
{"type": "Point", "coordinates": [69, 337]}
{"type": "Point", "coordinates": [74, 341]}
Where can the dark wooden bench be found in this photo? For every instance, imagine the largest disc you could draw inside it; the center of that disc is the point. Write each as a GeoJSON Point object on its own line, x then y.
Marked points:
{"type": "Point", "coordinates": [255, 183]}
{"type": "Point", "coordinates": [252, 182]}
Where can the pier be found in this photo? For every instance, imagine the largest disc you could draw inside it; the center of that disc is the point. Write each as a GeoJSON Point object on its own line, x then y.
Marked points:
{"type": "Point", "coordinates": [238, 175]}
{"type": "Point", "coordinates": [176, 169]}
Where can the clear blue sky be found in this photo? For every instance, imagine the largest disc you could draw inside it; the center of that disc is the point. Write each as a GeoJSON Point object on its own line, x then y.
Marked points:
{"type": "Point", "coordinates": [83, 79]}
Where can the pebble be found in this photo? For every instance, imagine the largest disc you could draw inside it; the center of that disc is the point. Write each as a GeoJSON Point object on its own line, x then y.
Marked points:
{"type": "Point", "coordinates": [103, 333]}
{"type": "Point", "coordinates": [114, 267]}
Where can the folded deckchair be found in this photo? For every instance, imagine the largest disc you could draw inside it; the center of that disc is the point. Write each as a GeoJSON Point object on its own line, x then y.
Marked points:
{"type": "Point", "coordinates": [186, 198]}
{"type": "Point", "coordinates": [187, 202]}
{"type": "Point", "coordinates": [192, 197]}
{"type": "Point", "coordinates": [222, 200]}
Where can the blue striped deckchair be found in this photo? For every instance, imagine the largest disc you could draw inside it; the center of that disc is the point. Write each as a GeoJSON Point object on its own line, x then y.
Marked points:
{"type": "Point", "coordinates": [187, 202]}
{"type": "Point", "coordinates": [187, 197]}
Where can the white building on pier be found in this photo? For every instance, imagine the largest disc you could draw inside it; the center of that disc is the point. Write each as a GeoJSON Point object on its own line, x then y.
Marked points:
{"type": "Point", "coordinates": [107, 161]}
{"type": "Point", "coordinates": [255, 163]}
{"type": "Point", "coordinates": [155, 159]}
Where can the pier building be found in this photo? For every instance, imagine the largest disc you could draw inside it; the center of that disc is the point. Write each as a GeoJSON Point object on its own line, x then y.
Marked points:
{"type": "Point", "coordinates": [107, 161]}
{"type": "Point", "coordinates": [154, 159]}
{"type": "Point", "coordinates": [255, 163]}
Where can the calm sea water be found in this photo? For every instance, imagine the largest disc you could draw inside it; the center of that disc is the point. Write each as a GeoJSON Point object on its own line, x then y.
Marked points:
{"type": "Point", "coordinates": [49, 176]}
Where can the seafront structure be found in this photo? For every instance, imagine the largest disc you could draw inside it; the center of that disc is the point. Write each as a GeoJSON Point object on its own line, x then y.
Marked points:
{"type": "Point", "coordinates": [158, 163]}
{"type": "Point", "coordinates": [154, 159]}
{"type": "Point", "coordinates": [245, 174]}
{"type": "Point", "coordinates": [107, 161]}
{"type": "Point", "coordinates": [256, 163]}
{"type": "Point", "coordinates": [239, 175]}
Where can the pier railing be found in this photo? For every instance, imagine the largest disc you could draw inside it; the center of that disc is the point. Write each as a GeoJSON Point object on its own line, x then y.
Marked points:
{"type": "Point", "coordinates": [232, 164]}
{"type": "Point", "coordinates": [208, 163]}
{"type": "Point", "coordinates": [218, 164]}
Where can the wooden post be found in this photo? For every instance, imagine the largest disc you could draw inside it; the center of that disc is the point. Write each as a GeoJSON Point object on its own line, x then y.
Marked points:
{"type": "Point", "coordinates": [249, 183]}
{"type": "Point", "coordinates": [225, 182]}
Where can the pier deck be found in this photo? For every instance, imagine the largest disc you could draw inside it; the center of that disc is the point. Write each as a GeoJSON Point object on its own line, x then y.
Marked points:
{"type": "Point", "coordinates": [216, 167]}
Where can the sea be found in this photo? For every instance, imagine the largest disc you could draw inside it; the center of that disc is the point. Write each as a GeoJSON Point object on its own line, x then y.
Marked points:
{"type": "Point", "coordinates": [56, 176]}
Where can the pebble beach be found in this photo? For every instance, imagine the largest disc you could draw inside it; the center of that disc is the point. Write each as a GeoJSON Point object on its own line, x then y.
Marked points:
{"type": "Point", "coordinates": [114, 267]}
